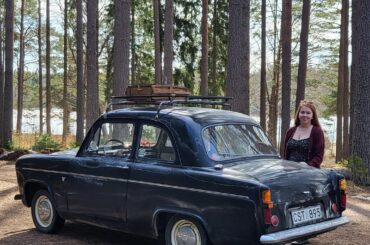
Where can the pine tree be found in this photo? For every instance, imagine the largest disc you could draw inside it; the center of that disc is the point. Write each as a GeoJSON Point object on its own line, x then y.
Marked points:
{"type": "Point", "coordinates": [92, 95]}
{"type": "Point", "coordinates": [8, 86]}
{"type": "Point", "coordinates": [286, 44]}
{"type": "Point", "coordinates": [80, 75]}
{"type": "Point", "coordinates": [204, 59]}
{"type": "Point", "coordinates": [360, 80]}
{"type": "Point", "coordinates": [237, 80]}
{"type": "Point", "coordinates": [168, 43]}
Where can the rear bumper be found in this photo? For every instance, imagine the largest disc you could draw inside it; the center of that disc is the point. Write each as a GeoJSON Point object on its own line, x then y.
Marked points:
{"type": "Point", "coordinates": [304, 231]}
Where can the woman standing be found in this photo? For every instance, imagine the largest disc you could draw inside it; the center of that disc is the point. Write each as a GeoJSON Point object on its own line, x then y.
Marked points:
{"type": "Point", "coordinates": [305, 141]}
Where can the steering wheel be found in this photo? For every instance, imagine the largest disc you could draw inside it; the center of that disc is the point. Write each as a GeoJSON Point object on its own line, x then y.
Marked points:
{"type": "Point", "coordinates": [115, 140]}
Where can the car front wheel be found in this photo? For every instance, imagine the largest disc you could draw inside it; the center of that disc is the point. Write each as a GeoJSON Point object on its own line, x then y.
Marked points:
{"type": "Point", "coordinates": [44, 215]}
{"type": "Point", "coordinates": [181, 230]}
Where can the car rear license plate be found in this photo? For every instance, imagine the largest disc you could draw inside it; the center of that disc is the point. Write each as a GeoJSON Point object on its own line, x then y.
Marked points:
{"type": "Point", "coordinates": [306, 214]}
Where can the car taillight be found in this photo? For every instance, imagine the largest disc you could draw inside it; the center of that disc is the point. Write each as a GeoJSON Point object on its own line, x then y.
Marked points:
{"type": "Point", "coordinates": [342, 185]}
{"type": "Point", "coordinates": [267, 206]}
{"type": "Point", "coordinates": [343, 195]}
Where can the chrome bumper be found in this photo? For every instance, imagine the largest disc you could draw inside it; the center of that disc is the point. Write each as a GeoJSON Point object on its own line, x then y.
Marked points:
{"type": "Point", "coordinates": [308, 230]}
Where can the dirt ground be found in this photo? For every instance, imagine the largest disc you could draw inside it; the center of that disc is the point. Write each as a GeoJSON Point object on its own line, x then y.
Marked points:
{"type": "Point", "coordinates": [16, 225]}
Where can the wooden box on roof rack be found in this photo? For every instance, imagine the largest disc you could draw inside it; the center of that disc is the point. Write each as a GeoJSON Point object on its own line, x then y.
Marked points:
{"type": "Point", "coordinates": [155, 89]}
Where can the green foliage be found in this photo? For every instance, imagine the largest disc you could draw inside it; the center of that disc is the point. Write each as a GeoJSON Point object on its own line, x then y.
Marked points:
{"type": "Point", "coordinates": [9, 145]}
{"type": "Point", "coordinates": [74, 145]}
{"type": "Point", "coordinates": [187, 41]}
{"type": "Point", "coordinates": [321, 88]}
{"type": "Point", "coordinates": [323, 48]}
{"type": "Point", "coordinates": [218, 32]}
{"type": "Point", "coordinates": [324, 31]}
{"type": "Point", "coordinates": [330, 100]}
{"type": "Point", "coordinates": [45, 142]}
{"type": "Point", "coordinates": [359, 171]}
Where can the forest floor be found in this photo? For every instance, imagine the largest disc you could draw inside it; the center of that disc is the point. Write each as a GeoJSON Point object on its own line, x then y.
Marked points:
{"type": "Point", "coordinates": [16, 225]}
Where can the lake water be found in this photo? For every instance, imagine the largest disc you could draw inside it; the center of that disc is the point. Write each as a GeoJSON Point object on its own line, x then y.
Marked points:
{"type": "Point", "coordinates": [31, 119]}
{"type": "Point", "coordinates": [30, 123]}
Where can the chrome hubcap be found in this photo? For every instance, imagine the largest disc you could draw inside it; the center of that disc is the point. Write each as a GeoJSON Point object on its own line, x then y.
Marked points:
{"type": "Point", "coordinates": [44, 211]}
{"type": "Point", "coordinates": [185, 232]}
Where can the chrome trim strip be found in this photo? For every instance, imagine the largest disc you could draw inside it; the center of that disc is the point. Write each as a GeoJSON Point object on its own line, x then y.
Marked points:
{"type": "Point", "coordinates": [294, 233]}
{"type": "Point", "coordinates": [190, 189]}
{"type": "Point", "coordinates": [75, 174]}
{"type": "Point", "coordinates": [140, 182]}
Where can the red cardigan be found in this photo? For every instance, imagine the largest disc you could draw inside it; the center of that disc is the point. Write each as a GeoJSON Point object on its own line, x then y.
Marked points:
{"type": "Point", "coordinates": [315, 148]}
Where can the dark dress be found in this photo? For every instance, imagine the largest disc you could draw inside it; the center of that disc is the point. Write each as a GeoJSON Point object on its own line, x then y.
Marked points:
{"type": "Point", "coordinates": [315, 149]}
{"type": "Point", "coordinates": [298, 150]}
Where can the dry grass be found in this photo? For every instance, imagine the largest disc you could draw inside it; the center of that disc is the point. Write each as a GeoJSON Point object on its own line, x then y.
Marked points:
{"type": "Point", "coordinates": [26, 141]}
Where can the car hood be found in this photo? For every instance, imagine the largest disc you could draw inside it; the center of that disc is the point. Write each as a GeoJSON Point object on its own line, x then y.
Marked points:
{"type": "Point", "coordinates": [289, 181]}
{"type": "Point", "coordinates": [68, 152]}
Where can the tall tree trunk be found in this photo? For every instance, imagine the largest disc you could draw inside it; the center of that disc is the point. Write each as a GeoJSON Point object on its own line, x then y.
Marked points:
{"type": "Point", "coordinates": [345, 23]}
{"type": "Point", "coordinates": [204, 59]}
{"type": "Point", "coordinates": [92, 103]}
{"type": "Point", "coordinates": [8, 87]}
{"type": "Point", "coordinates": [48, 79]}
{"type": "Point", "coordinates": [121, 47]}
{"type": "Point", "coordinates": [80, 76]}
{"type": "Point", "coordinates": [286, 69]}
{"type": "Point", "coordinates": [20, 72]}
{"type": "Point", "coordinates": [1, 83]}
{"type": "Point", "coordinates": [340, 93]}
{"type": "Point", "coordinates": [360, 80]}
{"type": "Point", "coordinates": [214, 49]}
{"type": "Point", "coordinates": [133, 43]}
{"type": "Point", "coordinates": [157, 43]}
{"type": "Point", "coordinates": [237, 79]}
{"type": "Point", "coordinates": [168, 43]}
{"type": "Point", "coordinates": [263, 83]}
{"type": "Point", "coordinates": [274, 96]}
{"type": "Point", "coordinates": [339, 142]}
{"type": "Point", "coordinates": [65, 77]}
{"type": "Point", "coordinates": [40, 70]}
{"type": "Point", "coordinates": [302, 67]}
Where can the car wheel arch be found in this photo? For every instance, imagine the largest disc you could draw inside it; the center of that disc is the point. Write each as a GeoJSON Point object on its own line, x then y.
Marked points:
{"type": "Point", "coordinates": [44, 214]}
{"type": "Point", "coordinates": [30, 189]}
{"type": "Point", "coordinates": [162, 216]}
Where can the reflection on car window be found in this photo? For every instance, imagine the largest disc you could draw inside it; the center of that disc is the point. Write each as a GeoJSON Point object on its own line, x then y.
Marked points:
{"type": "Point", "coordinates": [155, 144]}
{"type": "Point", "coordinates": [230, 141]}
{"type": "Point", "coordinates": [113, 139]}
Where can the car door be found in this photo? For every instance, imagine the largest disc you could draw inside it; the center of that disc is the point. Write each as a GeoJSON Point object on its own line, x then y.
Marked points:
{"type": "Point", "coordinates": [152, 170]}
{"type": "Point", "coordinates": [98, 182]}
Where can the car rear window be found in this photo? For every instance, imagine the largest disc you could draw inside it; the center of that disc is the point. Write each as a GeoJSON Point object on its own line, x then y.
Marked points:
{"type": "Point", "coordinates": [232, 141]}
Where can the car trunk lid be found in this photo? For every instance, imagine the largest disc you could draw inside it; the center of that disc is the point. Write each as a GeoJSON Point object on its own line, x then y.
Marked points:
{"type": "Point", "coordinates": [289, 182]}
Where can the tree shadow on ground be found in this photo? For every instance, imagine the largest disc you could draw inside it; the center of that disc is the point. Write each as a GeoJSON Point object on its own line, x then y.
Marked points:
{"type": "Point", "coordinates": [360, 210]}
{"type": "Point", "coordinates": [8, 191]}
{"type": "Point", "coordinates": [74, 233]}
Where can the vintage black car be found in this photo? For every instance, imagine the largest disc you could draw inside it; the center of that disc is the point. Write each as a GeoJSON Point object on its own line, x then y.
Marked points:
{"type": "Point", "coordinates": [184, 175]}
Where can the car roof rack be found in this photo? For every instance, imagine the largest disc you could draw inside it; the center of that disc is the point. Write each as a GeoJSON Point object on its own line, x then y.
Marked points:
{"type": "Point", "coordinates": [162, 100]}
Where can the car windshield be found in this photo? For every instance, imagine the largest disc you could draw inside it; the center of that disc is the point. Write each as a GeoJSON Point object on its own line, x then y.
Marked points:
{"type": "Point", "coordinates": [231, 141]}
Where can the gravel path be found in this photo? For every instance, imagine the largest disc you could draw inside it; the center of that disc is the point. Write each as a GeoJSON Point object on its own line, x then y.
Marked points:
{"type": "Point", "coordinates": [16, 225]}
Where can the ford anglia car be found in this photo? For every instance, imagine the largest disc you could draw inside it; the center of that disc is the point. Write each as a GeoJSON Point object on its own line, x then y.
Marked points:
{"type": "Point", "coordinates": [183, 175]}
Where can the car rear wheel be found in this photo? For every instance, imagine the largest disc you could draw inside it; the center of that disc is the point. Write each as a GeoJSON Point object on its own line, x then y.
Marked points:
{"type": "Point", "coordinates": [181, 230]}
{"type": "Point", "coordinates": [44, 215]}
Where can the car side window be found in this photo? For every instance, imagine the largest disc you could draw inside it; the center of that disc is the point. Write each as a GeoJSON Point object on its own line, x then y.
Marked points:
{"type": "Point", "coordinates": [155, 143]}
{"type": "Point", "coordinates": [112, 139]}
